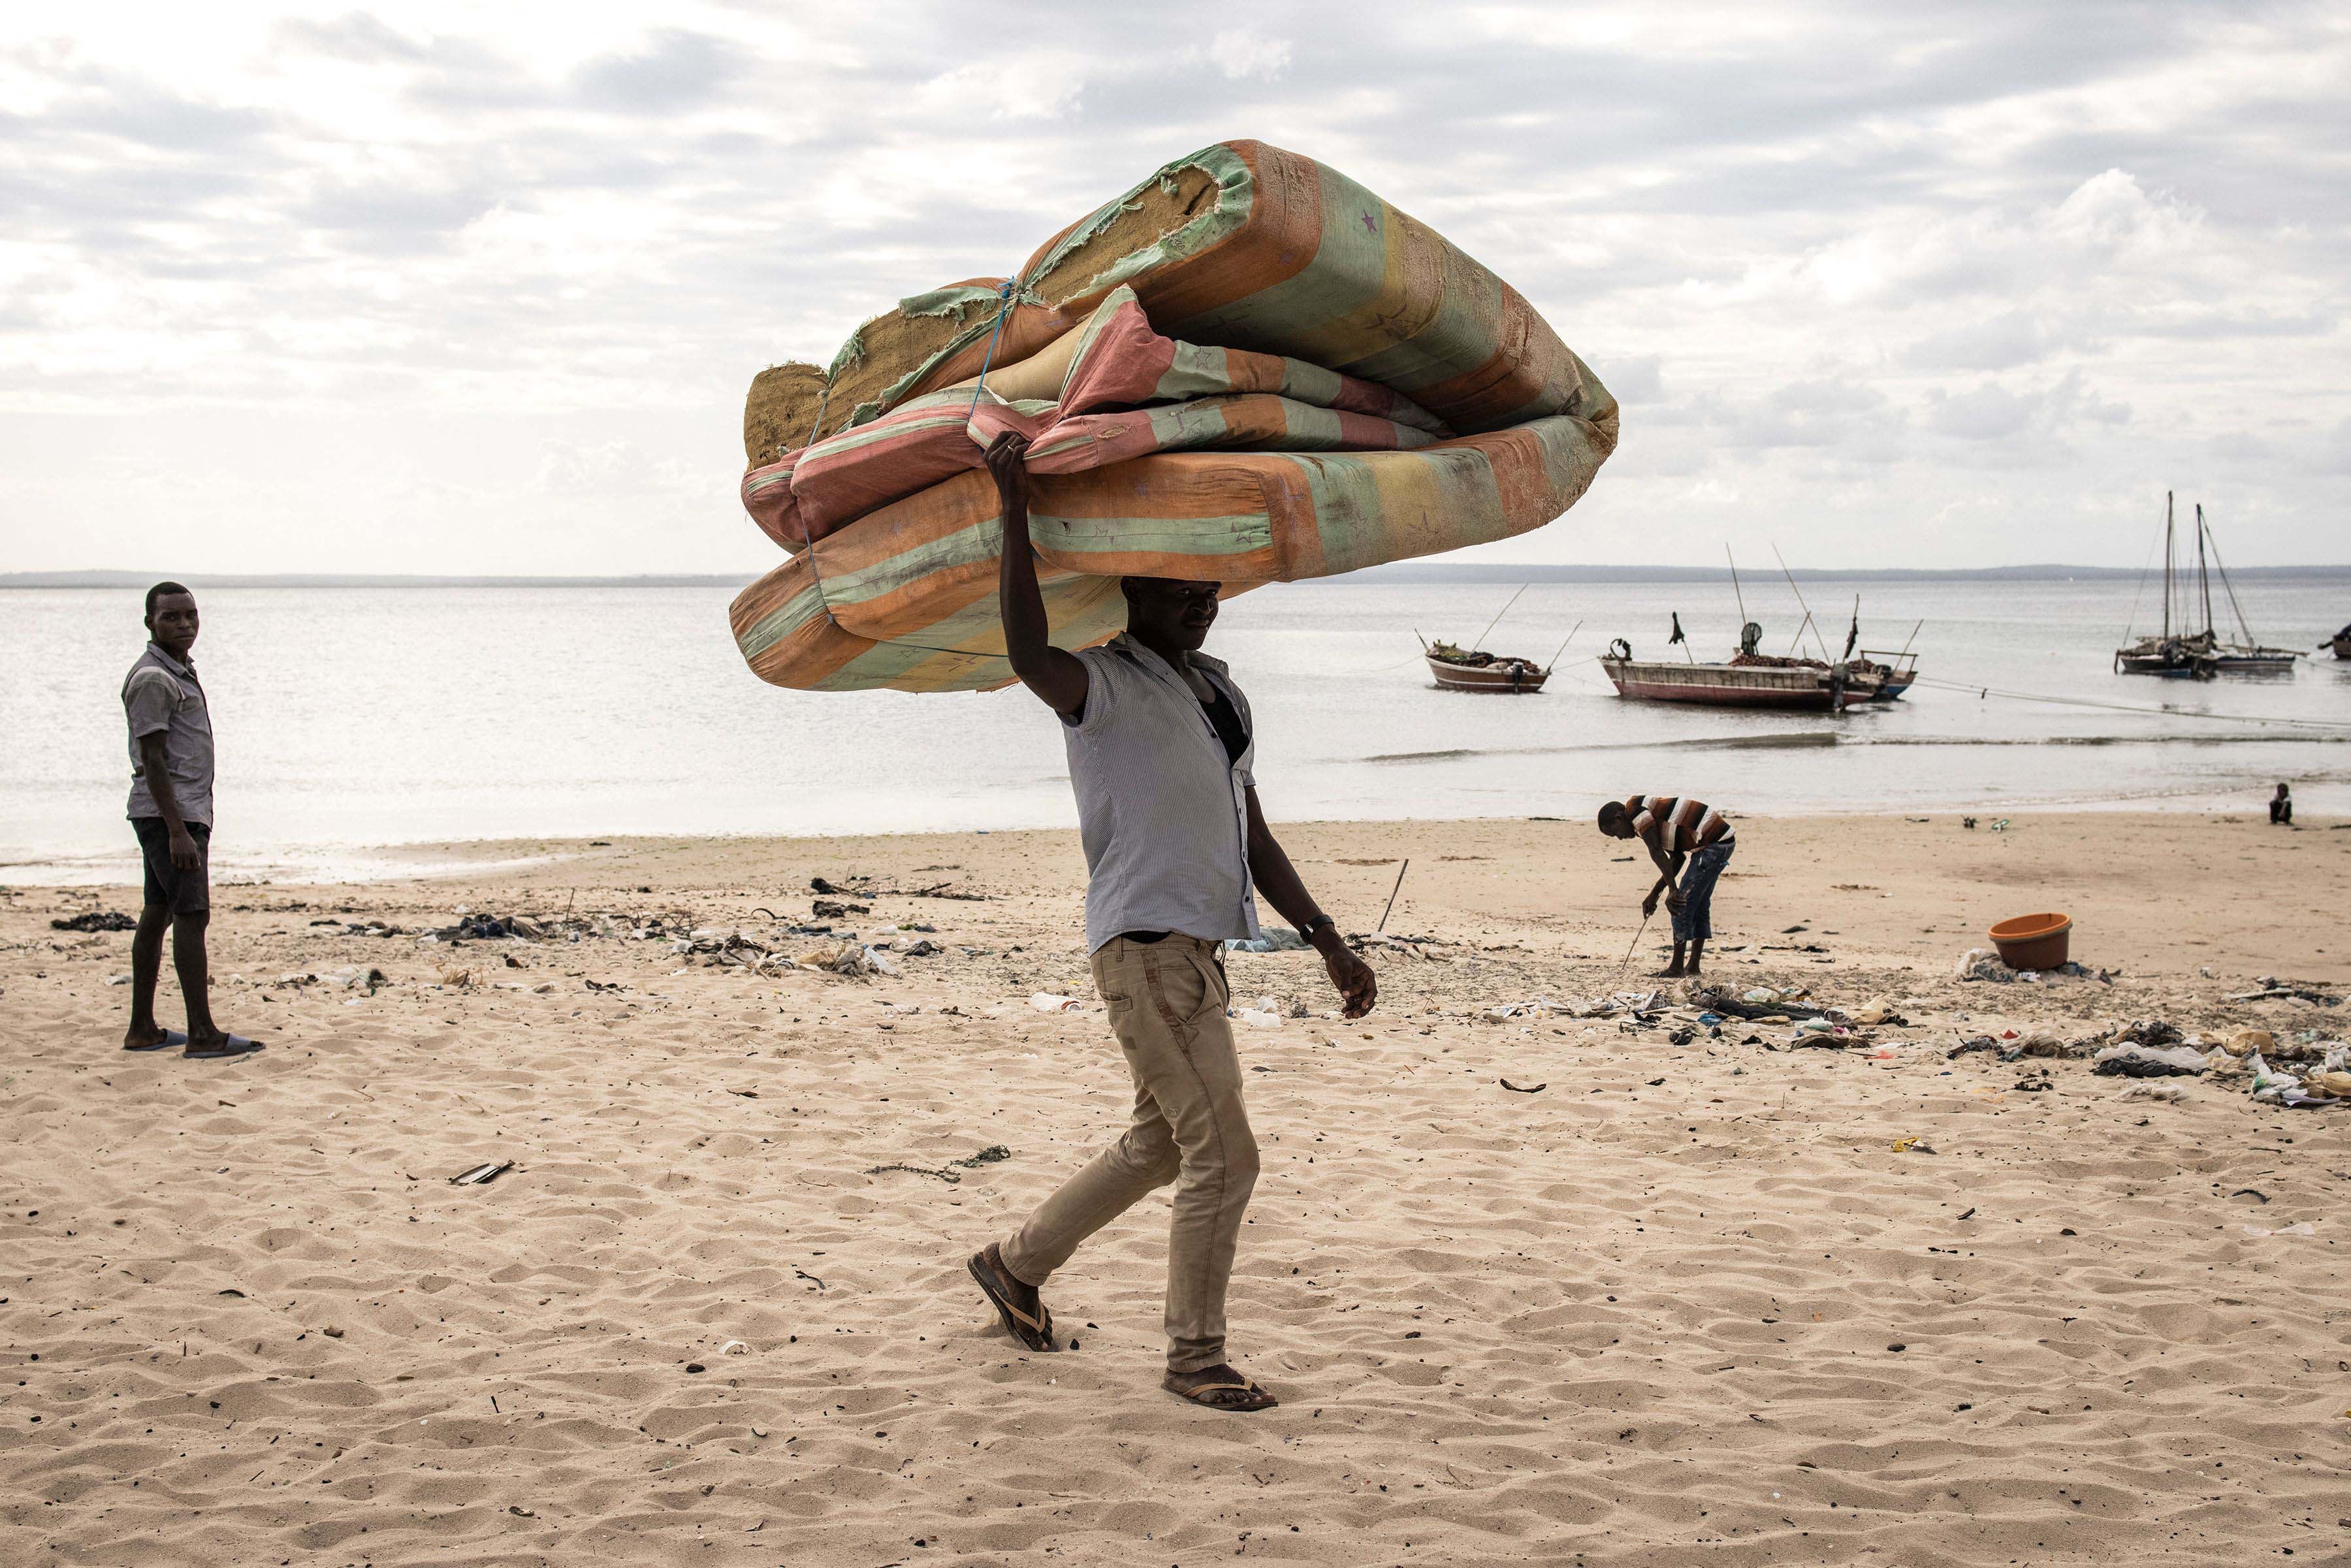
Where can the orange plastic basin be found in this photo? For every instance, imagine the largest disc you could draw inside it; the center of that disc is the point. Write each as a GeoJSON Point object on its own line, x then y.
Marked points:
{"type": "Point", "coordinates": [2033, 941]}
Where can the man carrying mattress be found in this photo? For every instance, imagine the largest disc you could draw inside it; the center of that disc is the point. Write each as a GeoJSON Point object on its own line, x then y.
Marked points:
{"type": "Point", "coordinates": [1160, 749]}
{"type": "Point", "coordinates": [1690, 844]}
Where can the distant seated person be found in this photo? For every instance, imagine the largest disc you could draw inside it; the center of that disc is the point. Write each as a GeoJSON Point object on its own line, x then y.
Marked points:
{"type": "Point", "coordinates": [2281, 808]}
{"type": "Point", "coordinates": [1691, 843]}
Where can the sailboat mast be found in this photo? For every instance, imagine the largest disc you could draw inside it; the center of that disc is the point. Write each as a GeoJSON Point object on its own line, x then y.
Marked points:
{"type": "Point", "coordinates": [2167, 566]}
{"type": "Point", "coordinates": [2203, 576]}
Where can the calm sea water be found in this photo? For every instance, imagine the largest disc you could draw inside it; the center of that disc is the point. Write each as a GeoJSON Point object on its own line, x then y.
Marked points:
{"type": "Point", "coordinates": [350, 719]}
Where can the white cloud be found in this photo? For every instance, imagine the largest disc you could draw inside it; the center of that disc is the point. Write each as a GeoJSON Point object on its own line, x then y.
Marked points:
{"type": "Point", "coordinates": [1241, 55]}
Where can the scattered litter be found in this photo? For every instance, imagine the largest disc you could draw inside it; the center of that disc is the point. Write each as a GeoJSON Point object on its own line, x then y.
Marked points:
{"type": "Point", "coordinates": [850, 958]}
{"type": "Point", "coordinates": [96, 920]}
{"type": "Point", "coordinates": [2041, 1044]}
{"type": "Point", "coordinates": [1879, 1011]}
{"type": "Point", "coordinates": [481, 1174]}
{"type": "Point", "coordinates": [1047, 1002]}
{"type": "Point", "coordinates": [2170, 1094]}
{"type": "Point", "coordinates": [1756, 1002]}
{"type": "Point", "coordinates": [1260, 1017]}
{"type": "Point", "coordinates": [986, 1156]}
{"type": "Point", "coordinates": [117, 979]}
{"type": "Point", "coordinates": [2246, 1042]}
{"type": "Point", "coordinates": [1913, 1144]}
{"type": "Point", "coordinates": [482, 928]}
{"type": "Point", "coordinates": [2148, 1061]}
{"type": "Point", "coordinates": [2303, 1228]}
{"type": "Point", "coordinates": [2272, 989]}
{"type": "Point", "coordinates": [733, 1347]}
{"type": "Point", "coordinates": [1523, 1089]}
{"type": "Point", "coordinates": [833, 909]}
{"type": "Point", "coordinates": [352, 977]}
{"type": "Point", "coordinates": [1535, 1007]}
{"type": "Point", "coordinates": [1276, 939]}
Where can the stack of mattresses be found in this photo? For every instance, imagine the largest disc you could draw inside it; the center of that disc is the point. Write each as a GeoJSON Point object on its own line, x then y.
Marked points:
{"type": "Point", "coordinates": [1247, 369]}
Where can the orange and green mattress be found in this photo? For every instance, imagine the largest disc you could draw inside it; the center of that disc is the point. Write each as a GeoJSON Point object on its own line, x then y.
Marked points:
{"type": "Point", "coordinates": [1247, 369]}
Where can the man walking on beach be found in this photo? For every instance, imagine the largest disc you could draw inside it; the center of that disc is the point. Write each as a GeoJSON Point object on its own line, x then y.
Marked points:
{"type": "Point", "coordinates": [1678, 833]}
{"type": "Point", "coordinates": [1160, 747]}
{"type": "Point", "coordinates": [171, 813]}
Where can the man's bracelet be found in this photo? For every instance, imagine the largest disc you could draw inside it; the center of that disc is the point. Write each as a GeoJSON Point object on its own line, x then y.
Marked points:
{"type": "Point", "coordinates": [1316, 923]}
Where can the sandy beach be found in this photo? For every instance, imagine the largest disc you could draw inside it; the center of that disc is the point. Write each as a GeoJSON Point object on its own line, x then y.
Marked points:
{"type": "Point", "coordinates": [1695, 1296]}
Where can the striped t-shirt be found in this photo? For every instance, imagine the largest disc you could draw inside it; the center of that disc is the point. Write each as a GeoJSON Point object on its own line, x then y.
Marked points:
{"type": "Point", "coordinates": [1681, 825]}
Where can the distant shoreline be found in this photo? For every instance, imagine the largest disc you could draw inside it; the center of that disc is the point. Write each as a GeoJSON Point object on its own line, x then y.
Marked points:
{"type": "Point", "coordinates": [1399, 572]}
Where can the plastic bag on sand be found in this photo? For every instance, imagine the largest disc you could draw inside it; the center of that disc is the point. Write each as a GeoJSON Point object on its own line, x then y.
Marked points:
{"type": "Point", "coordinates": [853, 958]}
{"type": "Point", "coordinates": [1536, 1007]}
{"type": "Point", "coordinates": [1976, 963]}
{"type": "Point", "coordinates": [2148, 1061]}
{"type": "Point", "coordinates": [2170, 1094]}
{"type": "Point", "coordinates": [1277, 940]}
{"type": "Point", "coordinates": [1259, 1017]}
{"type": "Point", "coordinates": [1047, 1002]}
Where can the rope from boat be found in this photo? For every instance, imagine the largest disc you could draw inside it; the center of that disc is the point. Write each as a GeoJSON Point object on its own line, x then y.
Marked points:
{"type": "Point", "coordinates": [2166, 711]}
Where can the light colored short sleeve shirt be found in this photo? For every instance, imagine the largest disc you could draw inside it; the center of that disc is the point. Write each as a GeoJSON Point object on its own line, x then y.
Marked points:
{"type": "Point", "coordinates": [1161, 805]}
{"type": "Point", "coordinates": [161, 696]}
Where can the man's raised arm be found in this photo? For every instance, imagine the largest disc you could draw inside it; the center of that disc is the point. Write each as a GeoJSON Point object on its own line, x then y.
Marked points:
{"type": "Point", "coordinates": [1055, 675]}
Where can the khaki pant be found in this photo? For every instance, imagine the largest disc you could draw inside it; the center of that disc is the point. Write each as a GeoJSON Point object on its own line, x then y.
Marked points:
{"type": "Point", "coordinates": [1167, 1001]}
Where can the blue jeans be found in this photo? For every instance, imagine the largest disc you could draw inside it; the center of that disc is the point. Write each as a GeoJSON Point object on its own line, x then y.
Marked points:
{"type": "Point", "coordinates": [1692, 921]}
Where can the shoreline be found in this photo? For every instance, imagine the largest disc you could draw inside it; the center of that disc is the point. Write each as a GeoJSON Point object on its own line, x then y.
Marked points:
{"type": "Point", "coordinates": [443, 858]}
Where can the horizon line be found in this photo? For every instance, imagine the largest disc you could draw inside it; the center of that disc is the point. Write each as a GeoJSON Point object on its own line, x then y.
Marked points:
{"type": "Point", "coordinates": [1392, 571]}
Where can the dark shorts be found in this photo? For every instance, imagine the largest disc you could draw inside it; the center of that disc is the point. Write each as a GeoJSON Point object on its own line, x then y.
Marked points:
{"type": "Point", "coordinates": [169, 887]}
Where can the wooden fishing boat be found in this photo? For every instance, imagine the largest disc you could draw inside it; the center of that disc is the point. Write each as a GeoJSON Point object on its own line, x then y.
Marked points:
{"type": "Point", "coordinates": [1750, 681]}
{"type": "Point", "coordinates": [1895, 671]}
{"type": "Point", "coordinates": [2340, 643]}
{"type": "Point", "coordinates": [1460, 669]}
{"type": "Point", "coordinates": [1474, 670]}
{"type": "Point", "coordinates": [2199, 655]}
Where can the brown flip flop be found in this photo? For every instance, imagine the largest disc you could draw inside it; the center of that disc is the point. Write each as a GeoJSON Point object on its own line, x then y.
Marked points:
{"type": "Point", "coordinates": [1036, 1333]}
{"type": "Point", "coordinates": [1253, 1397]}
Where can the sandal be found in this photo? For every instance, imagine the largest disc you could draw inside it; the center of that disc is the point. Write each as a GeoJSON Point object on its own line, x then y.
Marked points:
{"type": "Point", "coordinates": [1036, 1333]}
{"type": "Point", "coordinates": [1240, 1393]}
{"type": "Point", "coordinates": [221, 1049]}
{"type": "Point", "coordinates": [173, 1039]}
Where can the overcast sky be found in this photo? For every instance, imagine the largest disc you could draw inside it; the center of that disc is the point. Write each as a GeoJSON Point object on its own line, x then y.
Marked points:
{"type": "Point", "coordinates": [452, 287]}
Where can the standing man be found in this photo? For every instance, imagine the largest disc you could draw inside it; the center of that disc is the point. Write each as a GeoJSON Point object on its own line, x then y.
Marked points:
{"type": "Point", "coordinates": [1675, 833]}
{"type": "Point", "coordinates": [171, 813]}
{"type": "Point", "coordinates": [1160, 746]}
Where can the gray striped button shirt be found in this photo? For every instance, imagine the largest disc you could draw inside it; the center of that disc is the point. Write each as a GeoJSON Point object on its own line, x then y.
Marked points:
{"type": "Point", "coordinates": [1160, 808]}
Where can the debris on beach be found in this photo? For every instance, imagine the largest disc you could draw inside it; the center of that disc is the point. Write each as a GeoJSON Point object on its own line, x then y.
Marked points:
{"type": "Point", "coordinates": [1276, 939]}
{"type": "Point", "coordinates": [1981, 964]}
{"type": "Point", "coordinates": [96, 920]}
{"type": "Point", "coordinates": [481, 1174]}
{"type": "Point", "coordinates": [1052, 1002]}
{"type": "Point", "coordinates": [986, 1156]}
{"type": "Point", "coordinates": [2272, 989]}
{"type": "Point", "coordinates": [355, 928]}
{"type": "Point", "coordinates": [2132, 1060]}
{"type": "Point", "coordinates": [1266, 1013]}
